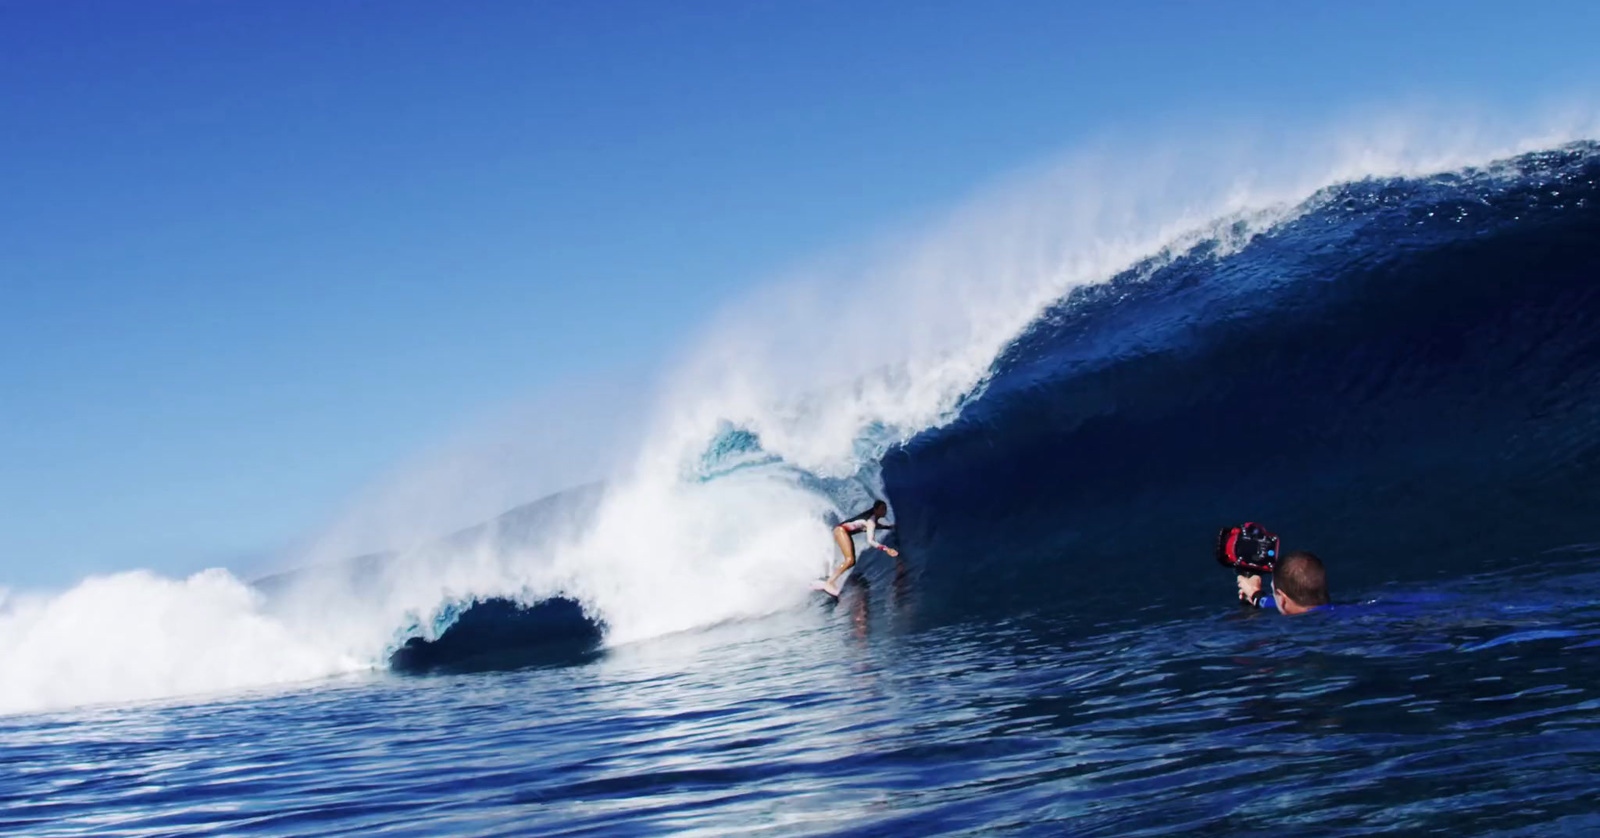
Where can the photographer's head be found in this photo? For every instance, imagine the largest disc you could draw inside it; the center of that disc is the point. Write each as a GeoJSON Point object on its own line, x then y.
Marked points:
{"type": "Point", "coordinates": [1300, 582]}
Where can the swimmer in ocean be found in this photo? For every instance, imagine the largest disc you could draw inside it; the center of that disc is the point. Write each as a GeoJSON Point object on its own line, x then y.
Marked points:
{"type": "Point", "coordinates": [1299, 585]}
{"type": "Point", "coordinates": [868, 522]}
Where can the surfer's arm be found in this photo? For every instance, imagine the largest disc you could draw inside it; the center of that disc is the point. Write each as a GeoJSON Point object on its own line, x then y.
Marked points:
{"type": "Point", "coordinates": [871, 528]}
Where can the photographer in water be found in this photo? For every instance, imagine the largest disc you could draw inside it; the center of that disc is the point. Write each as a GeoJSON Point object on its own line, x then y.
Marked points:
{"type": "Point", "coordinates": [1300, 582]}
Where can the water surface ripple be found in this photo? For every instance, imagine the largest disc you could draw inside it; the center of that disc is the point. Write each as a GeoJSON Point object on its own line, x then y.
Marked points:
{"type": "Point", "coordinates": [1466, 708]}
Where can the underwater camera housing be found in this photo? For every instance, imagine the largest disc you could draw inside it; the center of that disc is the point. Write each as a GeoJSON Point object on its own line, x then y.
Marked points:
{"type": "Point", "coordinates": [1248, 548]}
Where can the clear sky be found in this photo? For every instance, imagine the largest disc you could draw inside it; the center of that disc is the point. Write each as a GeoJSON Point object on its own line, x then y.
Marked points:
{"type": "Point", "coordinates": [253, 255]}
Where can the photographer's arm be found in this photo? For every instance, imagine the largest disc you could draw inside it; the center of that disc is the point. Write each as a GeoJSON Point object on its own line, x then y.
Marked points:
{"type": "Point", "coordinates": [1250, 592]}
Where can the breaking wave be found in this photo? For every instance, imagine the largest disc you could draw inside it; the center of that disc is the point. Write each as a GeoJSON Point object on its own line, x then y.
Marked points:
{"type": "Point", "coordinates": [1360, 340]}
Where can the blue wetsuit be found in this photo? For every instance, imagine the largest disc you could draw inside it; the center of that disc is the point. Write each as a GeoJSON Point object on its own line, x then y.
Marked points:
{"type": "Point", "coordinates": [1269, 602]}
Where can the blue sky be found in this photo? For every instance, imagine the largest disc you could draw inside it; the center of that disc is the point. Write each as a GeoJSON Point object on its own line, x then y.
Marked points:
{"type": "Point", "coordinates": [255, 255]}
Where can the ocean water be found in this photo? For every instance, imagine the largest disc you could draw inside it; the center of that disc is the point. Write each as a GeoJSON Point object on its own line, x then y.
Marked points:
{"type": "Point", "coordinates": [1464, 707]}
{"type": "Point", "coordinates": [1396, 369]}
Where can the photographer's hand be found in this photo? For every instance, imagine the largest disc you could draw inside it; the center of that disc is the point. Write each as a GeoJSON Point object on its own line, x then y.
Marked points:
{"type": "Point", "coordinates": [1249, 588]}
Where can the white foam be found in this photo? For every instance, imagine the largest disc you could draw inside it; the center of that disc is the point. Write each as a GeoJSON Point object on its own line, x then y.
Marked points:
{"type": "Point", "coordinates": [136, 635]}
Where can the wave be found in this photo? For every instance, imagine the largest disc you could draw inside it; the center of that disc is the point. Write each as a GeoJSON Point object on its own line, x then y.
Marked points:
{"type": "Point", "coordinates": [1047, 384]}
{"type": "Point", "coordinates": [1402, 378]}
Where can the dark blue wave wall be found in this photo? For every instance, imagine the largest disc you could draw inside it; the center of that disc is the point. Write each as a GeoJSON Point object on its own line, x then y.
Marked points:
{"type": "Point", "coordinates": [499, 633]}
{"type": "Point", "coordinates": [1405, 379]}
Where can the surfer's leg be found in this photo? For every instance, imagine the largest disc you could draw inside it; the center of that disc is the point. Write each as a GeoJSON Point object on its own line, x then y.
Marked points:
{"type": "Point", "coordinates": [847, 546]}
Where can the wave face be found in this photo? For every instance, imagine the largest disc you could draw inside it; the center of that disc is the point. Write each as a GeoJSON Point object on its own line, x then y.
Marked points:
{"type": "Point", "coordinates": [1404, 378]}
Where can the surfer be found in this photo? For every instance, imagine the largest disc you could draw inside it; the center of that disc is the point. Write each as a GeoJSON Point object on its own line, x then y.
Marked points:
{"type": "Point", "coordinates": [1299, 584]}
{"type": "Point", "coordinates": [844, 532]}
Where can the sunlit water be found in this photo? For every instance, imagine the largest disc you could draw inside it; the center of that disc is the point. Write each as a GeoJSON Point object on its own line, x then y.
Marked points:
{"type": "Point", "coordinates": [1467, 707]}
